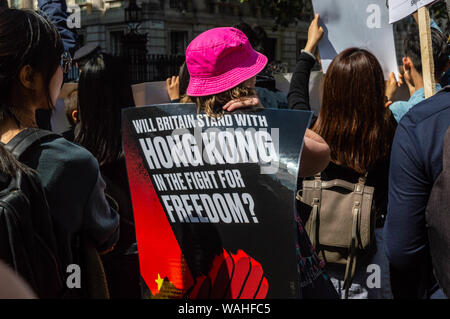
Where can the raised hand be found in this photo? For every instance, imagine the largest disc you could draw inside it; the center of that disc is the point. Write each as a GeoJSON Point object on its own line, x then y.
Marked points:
{"type": "Point", "coordinates": [173, 87]}
{"type": "Point", "coordinates": [241, 103]}
{"type": "Point", "coordinates": [391, 86]}
{"type": "Point", "coordinates": [315, 34]}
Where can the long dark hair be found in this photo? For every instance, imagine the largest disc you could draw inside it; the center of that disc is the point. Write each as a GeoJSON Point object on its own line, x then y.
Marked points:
{"type": "Point", "coordinates": [104, 90]}
{"type": "Point", "coordinates": [9, 165]}
{"type": "Point", "coordinates": [26, 38]}
{"type": "Point", "coordinates": [353, 119]}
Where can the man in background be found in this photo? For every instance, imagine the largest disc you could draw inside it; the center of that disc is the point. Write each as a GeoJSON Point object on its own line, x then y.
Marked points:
{"type": "Point", "coordinates": [416, 163]}
{"type": "Point", "coordinates": [412, 65]}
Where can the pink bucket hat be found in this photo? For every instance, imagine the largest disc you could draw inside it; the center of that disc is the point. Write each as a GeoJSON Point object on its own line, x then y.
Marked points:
{"type": "Point", "coordinates": [220, 59]}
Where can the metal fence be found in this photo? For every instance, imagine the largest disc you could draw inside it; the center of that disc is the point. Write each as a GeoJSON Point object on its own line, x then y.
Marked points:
{"type": "Point", "coordinates": [146, 68]}
{"type": "Point", "coordinates": [160, 66]}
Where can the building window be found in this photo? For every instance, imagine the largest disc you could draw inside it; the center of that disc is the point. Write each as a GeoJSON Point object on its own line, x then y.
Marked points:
{"type": "Point", "coordinates": [178, 42]}
{"type": "Point", "coordinates": [115, 43]}
{"type": "Point", "coordinates": [175, 4]}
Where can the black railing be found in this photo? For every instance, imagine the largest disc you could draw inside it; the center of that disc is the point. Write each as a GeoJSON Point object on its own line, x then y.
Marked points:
{"type": "Point", "coordinates": [146, 68]}
{"type": "Point", "coordinates": [158, 67]}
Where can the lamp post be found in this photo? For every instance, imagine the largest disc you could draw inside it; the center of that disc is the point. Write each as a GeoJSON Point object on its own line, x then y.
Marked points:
{"type": "Point", "coordinates": [134, 44]}
{"type": "Point", "coordinates": [133, 15]}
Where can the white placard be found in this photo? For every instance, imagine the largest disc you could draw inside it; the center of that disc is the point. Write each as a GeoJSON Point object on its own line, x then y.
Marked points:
{"type": "Point", "coordinates": [283, 81]}
{"type": "Point", "coordinates": [399, 9]}
{"type": "Point", "coordinates": [363, 24]}
{"type": "Point", "coordinates": [150, 93]}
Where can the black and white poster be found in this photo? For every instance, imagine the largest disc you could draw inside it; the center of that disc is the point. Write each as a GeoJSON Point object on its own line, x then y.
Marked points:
{"type": "Point", "coordinates": [214, 200]}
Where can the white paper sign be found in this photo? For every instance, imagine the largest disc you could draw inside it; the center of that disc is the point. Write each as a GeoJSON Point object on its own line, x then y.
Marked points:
{"type": "Point", "coordinates": [363, 24]}
{"type": "Point", "coordinates": [283, 81]}
{"type": "Point", "coordinates": [150, 93]}
{"type": "Point", "coordinates": [399, 9]}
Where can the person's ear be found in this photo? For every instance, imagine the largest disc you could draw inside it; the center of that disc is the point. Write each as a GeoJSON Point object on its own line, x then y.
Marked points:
{"type": "Point", "coordinates": [27, 77]}
{"type": "Point", "coordinates": [75, 116]}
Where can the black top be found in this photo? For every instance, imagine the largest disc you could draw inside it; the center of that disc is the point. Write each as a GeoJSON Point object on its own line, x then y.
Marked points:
{"type": "Point", "coordinates": [74, 189]}
{"type": "Point", "coordinates": [377, 177]}
{"type": "Point", "coordinates": [116, 178]}
{"type": "Point", "coordinates": [122, 265]}
{"type": "Point", "coordinates": [298, 96]}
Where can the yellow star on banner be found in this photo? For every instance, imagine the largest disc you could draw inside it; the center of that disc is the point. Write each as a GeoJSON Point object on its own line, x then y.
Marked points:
{"type": "Point", "coordinates": [159, 281]}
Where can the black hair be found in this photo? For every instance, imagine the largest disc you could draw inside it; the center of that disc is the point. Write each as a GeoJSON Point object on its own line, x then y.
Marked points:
{"type": "Point", "coordinates": [104, 89]}
{"type": "Point", "coordinates": [249, 33]}
{"type": "Point", "coordinates": [9, 165]}
{"type": "Point", "coordinates": [184, 79]}
{"type": "Point", "coordinates": [26, 38]}
{"type": "Point", "coordinates": [261, 39]}
{"type": "Point", "coordinates": [411, 48]}
{"type": "Point", "coordinates": [3, 4]}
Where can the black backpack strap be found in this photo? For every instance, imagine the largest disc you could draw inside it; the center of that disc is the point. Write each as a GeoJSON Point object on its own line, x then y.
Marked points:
{"type": "Point", "coordinates": [26, 139]}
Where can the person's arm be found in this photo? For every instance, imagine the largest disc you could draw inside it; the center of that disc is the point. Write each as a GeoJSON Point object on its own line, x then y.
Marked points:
{"type": "Point", "coordinates": [12, 286]}
{"type": "Point", "coordinates": [315, 155]}
{"type": "Point", "coordinates": [298, 96]}
{"type": "Point", "coordinates": [242, 103]}
{"type": "Point", "coordinates": [56, 11]}
{"type": "Point", "coordinates": [405, 228]}
{"type": "Point", "coordinates": [101, 222]}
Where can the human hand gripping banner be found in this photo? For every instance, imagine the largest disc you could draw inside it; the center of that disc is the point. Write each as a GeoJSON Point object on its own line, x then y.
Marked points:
{"type": "Point", "coordinates": [214, 200]}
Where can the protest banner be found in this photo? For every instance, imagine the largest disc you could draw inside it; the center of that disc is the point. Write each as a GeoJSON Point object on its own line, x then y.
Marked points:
{"type": "Point", "coordinates": [150, 93]}
{"type": "Point", "coordinates": [400, 9]}
{"type": "Point", "coordinates": [363, 24]}
{"type": "Point", "coordinates": [213, 200]}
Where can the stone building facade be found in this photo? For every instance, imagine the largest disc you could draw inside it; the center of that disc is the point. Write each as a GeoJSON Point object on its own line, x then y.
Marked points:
{"type": "Point", "coordinates": [171, 24]}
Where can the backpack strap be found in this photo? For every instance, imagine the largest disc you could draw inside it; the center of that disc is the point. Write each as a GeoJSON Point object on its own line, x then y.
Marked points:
{"type": "Point", "coordinates": [363, 178]}
{"type": "Point", "coordinates": [26, 139]}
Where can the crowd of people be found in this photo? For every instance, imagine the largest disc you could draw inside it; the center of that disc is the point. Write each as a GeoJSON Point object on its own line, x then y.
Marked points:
{"type": "Point", "coordinates": [362, 137]}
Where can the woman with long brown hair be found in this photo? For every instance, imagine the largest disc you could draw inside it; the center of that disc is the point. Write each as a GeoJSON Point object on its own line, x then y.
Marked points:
{"type": "Point", "coordinates": [359, 129]}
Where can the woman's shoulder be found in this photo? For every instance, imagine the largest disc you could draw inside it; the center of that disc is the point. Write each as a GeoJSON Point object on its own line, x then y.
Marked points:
{"type": "Point", "coordinates": [61, 152]}
{"type": "Point", "coordinates": [378, 172]}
